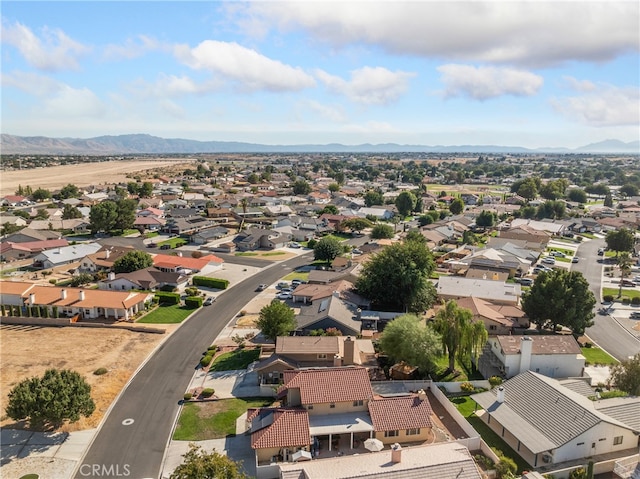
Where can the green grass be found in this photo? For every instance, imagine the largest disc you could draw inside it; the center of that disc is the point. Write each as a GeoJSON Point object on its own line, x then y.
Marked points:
{"type": "Point", "coordinates": [246, 253]}
{"type": "Point", "coordinates": [442, 363]}
{"type": "Point", "coordinates": [629, 293]}
{"type": "Point", "coordinates": [568, 252]}
{"type": "Point", "coordinates": [238, 359]}
{"type": "Point", "coordinates": [173, 242]}
{"type": "Point", "coordinates": [466, 406]}
{"type": "Point", "coordinates": [169, 314]}
{"type": "Point", "coordinates": [588, 235]}
{"type": "Point", "coordinates": [295, 275]}
{"type": "Point", "coordinates": [151, 234]}
{"type": "Point", "coordinates": [609, 254]}
{"type": "Point", "coordinates": [274, 253]}
{"type": "Point", "coordinates": [598, 356]}
{"type": "Point", "coordinates": [563, 260]}
{"type": "Point", "coordinates": [212, 420]}
{"type": "Point", "coordinates": [129, 232]}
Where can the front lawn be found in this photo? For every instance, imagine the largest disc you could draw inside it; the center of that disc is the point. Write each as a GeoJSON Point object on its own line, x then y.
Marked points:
{"type": "Point", "coordinates": [442, 363]}
{"type": "Point", "coordinates": [467, 406]}
{"type": "Point", "coordinates": [246, 253]}
{"type": "Point", "coordinates": [173, 242]}
{"type": "Point", "coordinates": [598, 356]}
{"type": "Point", "coordinates": [166, 314]}
{"type": "Point", "coordinates": [629, 293]}
{"type": "Point", "coordinates": [296, 275]}
{"type": "Point", "coordinates": [238, 359]}
{"type": "Point", "coordinates": [213, 419]}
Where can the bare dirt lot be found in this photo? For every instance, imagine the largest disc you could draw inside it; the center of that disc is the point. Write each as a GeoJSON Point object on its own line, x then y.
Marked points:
{"type": "Point", "coordinates": [55, 177]}
{"type": "Point", "coordinates": [28, 351]}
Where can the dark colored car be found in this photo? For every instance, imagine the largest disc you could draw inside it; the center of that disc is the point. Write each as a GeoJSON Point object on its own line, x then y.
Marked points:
{"type": "Point", "coordinates": [261, 287]}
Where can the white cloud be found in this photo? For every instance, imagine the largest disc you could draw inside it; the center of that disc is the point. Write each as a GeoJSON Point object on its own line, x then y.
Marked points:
{"type": "Point", "coordinates": [482, 83]}
{"type": "Point", "coordinates": [55, 51]}
{"type": "Point", "coordinates": [524, 33]}
{"type": "Point", "coordinates": [335, 113]}
{"type": "Point", "coordinates": [579, 85]}
{"type": "Point", "coordinates": [73, 102]}
{"type": "Point", "coordinates": [250, 69]}
{"type": "Point", "coordinates": [132, 48]}
{"type": "Point", "coordinates": [31, 83]}
{"type": "Point", "coordinates": [606, 105]}
{"type": "Point", "coordinates": [369, 85]}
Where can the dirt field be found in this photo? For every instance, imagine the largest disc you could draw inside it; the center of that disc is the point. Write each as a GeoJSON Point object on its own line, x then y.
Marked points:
{"type": "Point", "coordinates": [27, 351]}
{"type": "Point", "coordinates": [86, 174]}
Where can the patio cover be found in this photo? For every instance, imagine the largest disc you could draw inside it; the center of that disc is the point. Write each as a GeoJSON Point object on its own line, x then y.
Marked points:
{"type": "Point", "coordinates": [343, 423]}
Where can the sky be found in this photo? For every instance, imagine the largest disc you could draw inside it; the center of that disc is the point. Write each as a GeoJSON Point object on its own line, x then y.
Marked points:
{"type": "Point", "coordinates": [514, 73]}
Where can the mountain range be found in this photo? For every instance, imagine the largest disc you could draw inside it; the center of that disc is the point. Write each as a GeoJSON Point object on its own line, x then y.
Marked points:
{"type": "Point", "coordinates": [148, 144]}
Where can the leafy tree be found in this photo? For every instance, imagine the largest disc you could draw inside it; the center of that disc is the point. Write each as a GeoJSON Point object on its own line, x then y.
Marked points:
{"type": "Point", "coordinates": [103, 216]}
{"type": "Point", "coordinates": [276, 319]}
{"type": "Point", "coordinates": [8, 228]}
{"type": "Point", "coordinates": [405, 202]}
{"type": "Point", "coordinates": [629, 189]}
{"type": "Point", "coordinates": [398, 277]}
{"type": "Point", "coordinates": [620, 240]}
{"type": "Point", "coordinates": [356, 224]}
{"type": "Point", "coordinates": [70, 212]}
{"type": "Point", "coordinates": [608, 200]}
{"type": "Point", "coordinates": [625, 262]}
{"type": "Point", "coordinates": [132, 187]}
{"type": "Point", "coordinates": [334, 187]}
{"type": "Point", "coordinates": [382, 231]}
{"type": "Point", "coordinates": [81, 279]}
{"type": "Point", "coordinates": [562, 298]}
{"type": "Point", "coordinates": [42, 214]}
{"type": "Point", "coordinates": [626, 375]}
{"type": "Point", "coordinates": [200, 464]}
{"type": "Point", "coordinates": [599, 189]}
{"type": "Point", "coordinates": [327, 249]}
{"type": "Point", "coordinates": [486, 219]}
{"type": "Point", "coordinates": [462, 338]}
{"type": "Point", "coordinates": [424, 220]}
{"type": "Point", "coordinates": [456, 206]}
{"type": "Point", "coordinates": [41, 194]}
{"type": "Point", "coordinates": [551, 209]}
{"type": "Point", "coordinates": [407, 339]}
{"type": "Point", "coordinates": [69, 191]}
{"type": "Point", "coordinates": [253, 178]}
{"type": "Point", "coordinates": [301, 187]}
{"type": "Point", "coordinates": [146, 190]}
{"type": "Point", "coordinates": [126, 216]}
{"type": "Point", "coordinates": [528, 189]}
{"type": "Point", "coordinates": [373, 197]}
{"type": "Point", "coordinates": [58, 396]}
{"type": "Point", "coordinates": [415, 235]}
{"type": "Point", "coordinates": [133, 261]}
{"type": "Point", "coordinates": [329, 209]}
{"type": "Point", "coordinates": [578, 195]}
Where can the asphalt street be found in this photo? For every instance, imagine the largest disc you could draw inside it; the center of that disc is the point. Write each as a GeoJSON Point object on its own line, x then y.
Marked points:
{"type": "Point", "coordinates": [135, 433]}
{"type": "Point", "coordinates": [605, 332]}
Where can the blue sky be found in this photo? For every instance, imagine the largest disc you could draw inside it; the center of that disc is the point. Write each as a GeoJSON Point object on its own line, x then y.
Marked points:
{"type": "Point", "coordinates": [533, 74]}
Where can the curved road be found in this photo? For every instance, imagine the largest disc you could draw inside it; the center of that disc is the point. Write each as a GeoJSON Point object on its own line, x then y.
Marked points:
{"type": "Point", "coordinates": [605, 332]}
{"type": "Point", "coordinates": [132, 440]}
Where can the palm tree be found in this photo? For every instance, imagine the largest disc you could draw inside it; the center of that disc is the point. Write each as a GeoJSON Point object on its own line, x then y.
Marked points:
{"type": "Point", "coordinates": [244, 203]}
{"type": "Point", "coordinates": [624, 263]}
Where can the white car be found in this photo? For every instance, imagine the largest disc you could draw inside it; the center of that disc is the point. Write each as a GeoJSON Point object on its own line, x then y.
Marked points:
{"type": "Point", "coordinates": [284, 296]}
{"type": "Point", "coordinates": [294, 245]}
{"type": "Point", "coordinates": [549, 260]}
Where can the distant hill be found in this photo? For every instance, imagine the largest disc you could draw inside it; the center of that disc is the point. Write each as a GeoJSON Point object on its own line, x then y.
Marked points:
{"type": "Point", "coordinates": [147, 144]}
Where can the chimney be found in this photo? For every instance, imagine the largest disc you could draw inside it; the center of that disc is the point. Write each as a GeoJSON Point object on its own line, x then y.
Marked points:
{"type": "Point", "coordinates": [336, 294]}
{"type": "Point", "coordinates": [526, 346]}
{"type": "Point", "coordinates": [501, 394]}
{"type": "Point", "coordinates": [396, 453]}
{"type": "Point", "coordinates": [422, 395]}
{"type": "Point", "coordinates": [349, 351]}
{"type": "Point", "coordinates": [63, 293]}
{"type": "Point", "coordinates": [107, 253]}
{"type": "Point", "coordinates": [81, 295]}
{"type": "Point", "coordinates": [337, 361]}
{"type": "Point", "coordinates": [32, 298]}
{"type": "Point", "coordinates": [179, 254]}
{"type": "Point", "coordinates": [112, 276]}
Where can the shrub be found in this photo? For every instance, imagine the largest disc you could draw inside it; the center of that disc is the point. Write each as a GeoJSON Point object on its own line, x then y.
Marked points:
{"type": "Point", "coordinates": [506, 467]}
{"type": "Point", "coordinates": [311, 243]}
{"type": "Point", "coordinates": [466, 387]}
{"type": "Point", "coordinates": [213, 348]}
{"type": "Point", "coordinates": [626, 300]}
{"type": "Point", "coordinates": [607, 298]}
{"type": "Point", "coordinates": [635, 300]}
{"type": "Point", "coordinates": [187, 396]}
{"type": "Point", "coordinates": [193, 302]}
{"type": "Point", "coordinates": [588, 345]}
{"type": "Point", "coordinates": [215, 283]}
{"type": "Point", "coordinates": [207, 392]}
{"type": "Point", "coordinates": [206, 360]}
{"type": "Point", "coordinates": [168, 298]}
{"type": "Point", "coordinates": [100, 371]}
{"type": "Point", "coordinates": [53, 281]}
{"type": "Point", "coordinates": [495, 381]}
{"type": "Point", "coordinates": [2, 310]}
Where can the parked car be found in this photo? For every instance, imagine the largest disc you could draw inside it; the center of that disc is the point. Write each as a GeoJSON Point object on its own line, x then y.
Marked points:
{"type": "Point", "coordinates": [284, 296]}
{"type": "Point", "coordinates": [296, 282]}
{"type": "Point", "coordinates": [526, 281]}
{"type": "Point", "coordinates": [628, 283]}
{"type": "Point", "coordinates": [295, 245]}
{"type": "Point", "coordinates": [635, 315]}
{"type": "Point", "coordinates": [557, 254]}
{"type": "Point", "coordinates": [549, 260]}
{"type": "Point", "coordinates": [575, 259]}
{"type": "Point", "coordinates": [209, 301]}
{"type": "Point", "coordinates": [356, 251]}
{"type": "Point", "coordinates": [286, 290]}
{"type": "Point", "coordinates": [282, 284]}
{"type": "Point", "coordinates": [261, 287]}
{"type": "Point", "coordinates": [600, 251]}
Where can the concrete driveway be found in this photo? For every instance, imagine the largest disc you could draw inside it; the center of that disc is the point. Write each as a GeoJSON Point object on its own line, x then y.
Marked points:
{"type": "Point", "coordinates": [228, 384]}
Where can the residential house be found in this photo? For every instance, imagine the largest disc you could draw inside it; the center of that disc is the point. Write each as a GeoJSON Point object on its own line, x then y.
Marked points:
{"type": "Point", "coordinates": [10, 251]}
{"type": "Point", "coordinates": [71, 302]}
{"type": "Point", "coordinates": [498, 292]}
{"type": "Point", "coordinates": [7, 218]}
{"type": "Point", "coordinates": [331, 312]}
{"type": "Point", "coordinates": [64, 255]}
{"type": "Point", "coordinates": [497, 318]}
{"type": "Point", "coordinates": [221, 215]}
{"type": "Point", "coordinates": [103, 259]}
{"type": "Point", "coordinates": [187, 265]}
{"type": "Point", "coordinates": [254, 238]}
{"type": "Point", "coordinates": [278, 210]}
{"type": "Point", "coordinates": [77, 225]}
{"type": "Point", "coordinates": [187, 225]}
{"type": "Point", "coordinates": [549, 227]}
{"type": "Point", "coordinates": [554, 356]}
{"type": "Point", "coordinates": [310, 292]}
{"type": "Point", "coordinates": [27, 235]}
{"type": "Point", "coordinates": [349, 273]}
{"type": "Point", "coordinates": [209, 234]}
{"type": "Point", "coordinates": [14, 200]}
{"type": "Point", "coordinates": [379, 212]}
{"type": "Point", "coordinates": [524, 232]}
{"type": "Point", "coordinates": [148, 279]}
{"type": "Point", "coordinates": [547, 423]}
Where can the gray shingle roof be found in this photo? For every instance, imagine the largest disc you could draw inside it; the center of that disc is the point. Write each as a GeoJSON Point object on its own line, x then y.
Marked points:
{"type": "Point", "coordinates": [626, 410]}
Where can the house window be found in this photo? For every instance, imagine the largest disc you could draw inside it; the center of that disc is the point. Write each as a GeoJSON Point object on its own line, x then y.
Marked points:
{"type": "Point", "coordinates": [332, 405]}
{"type": "Point", "coordinates": [322, 356]}
{"type": "Point", "coordinates": [617, 440]}
{"type": "Point", "coordinates": [109, 285]}
{"type": "Point", "coordinates": [602, 439]}
{"type": "Point", "coordinates": [358, 403]}
{"type": "Point", "coordinates": [391, 433]}
{"type": "Point", "coordinates": [581, 444]}
{"type": "Point", "coordinates": [492, 327]}
{"type": "Point", "coordinates": [413, 431]}
{"type": "Point", "coordinates": [310, 406]}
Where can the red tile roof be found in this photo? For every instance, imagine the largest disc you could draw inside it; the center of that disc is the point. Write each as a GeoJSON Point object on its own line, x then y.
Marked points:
{"type": "Point", "coordinates": [190, 263]}
{"type": "Point", "coordinates": [390, 414]}
{"type": "Point", "coordinates": [329, 385]}
{"type": "Point", "coordinates": [290, 427]}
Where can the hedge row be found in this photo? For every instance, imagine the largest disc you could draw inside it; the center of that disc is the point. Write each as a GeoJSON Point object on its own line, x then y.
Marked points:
{"type": "Point", "coordinates": [193, 302]}
{"type": "Point", "coordinates": [168, 298]}
{"type": "Point", "coordinates": [29, 311]}
{"type": "Point", "coordinates": [216, 283]}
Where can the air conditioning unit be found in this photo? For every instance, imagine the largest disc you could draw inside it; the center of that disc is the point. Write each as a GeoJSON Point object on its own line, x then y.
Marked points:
{"type": "Point", "coordinates": [547, 458]}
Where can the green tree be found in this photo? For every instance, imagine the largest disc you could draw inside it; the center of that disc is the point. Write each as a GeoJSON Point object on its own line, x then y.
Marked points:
{"type": "Point", "coordinates": [126, 214]}
{"type": "Point", "coordinates": [560, 297]}
{"type": "Point", "coordinates": [486, 219]}
{"type": "Point", "coordinates": [462, 338]}
{"type": "Point", "coordinates": [456, 207]}
{"type": "Point", "coordinates": [146, 190]}
{"type": "Point", "coordinates": [132, 261]}
{"type": "Point", "coordinates": [578, 195]}
{"type": "Point", "coordinates": [425, 220]}
{"type": "Point", "coordinates": [329, 209]}
{"type": "Point", "coordinates": [81, 279]}
{"type": "Point", "coordinates": [356, 224]}
{"type": "Point", "coordinates": [301, 187]}
{"type": "Point", "coordinates": [625, 262]}
{"type": "Point", "coordinates": [405, 203]}
{"type": "Point", "coordinates": [528, 189]}
{"type": "Point", "coordinates": [620, 240]}
{"type": "Point", "coordinates": [415, 235]}
{"type": "Point", "coordinates": [382, 231]}
{"type": "Point", "coordinates": [626, 375]}
{"type": "Point", "coordinates": [407, 339]}
{"type": "Point", "coordinates": [69, 191]}
{"type": "Point", "coordinates": [103, 216]}
{"type": "Point", "coordinates": [41, 194]}
{"type": "Point", "coordinates": [276, 319]}
{"type": "Point", "coordinates": [327, 249]}
{"type": "Point", "coordinates": [42, 214]}
{"type": "Point", "coordinates": [373, 197]}
{"type": "Point", "coordinates": [253, 178]}
{"type": "Point", "coordinates": [199, 464]}
{"type": "Point", "coordinates": [397, 277]}
{"type": "Point", "coordinates": [70, 212]}
{"type": "Point", "coordinates": [628, 189]}
{"type": "Point", "coordinates": [49, 401]}
{"type": "Point", "coordinates": [334, 187]}
{"type": "Point", "coordinates": [608, 200]}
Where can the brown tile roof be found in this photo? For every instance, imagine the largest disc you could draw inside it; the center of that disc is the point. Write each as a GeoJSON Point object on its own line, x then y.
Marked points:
{"type": "Point", "coordinates": [480, 307]}
{"type": "Point", "coordinates": [546, 344]}
{"type": "Point", "coordinates": [390, 414]}
{"type": "Point", "coordinates": [308, 344]}
{"type": "Point", "coordinates": [329, 385]}
{"type": "Point", "coordinates": [290, 427]}
{"type": "Point", "coordinates": [15, 287]}
{"type": "Point", "coordinates": [166, 260]}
